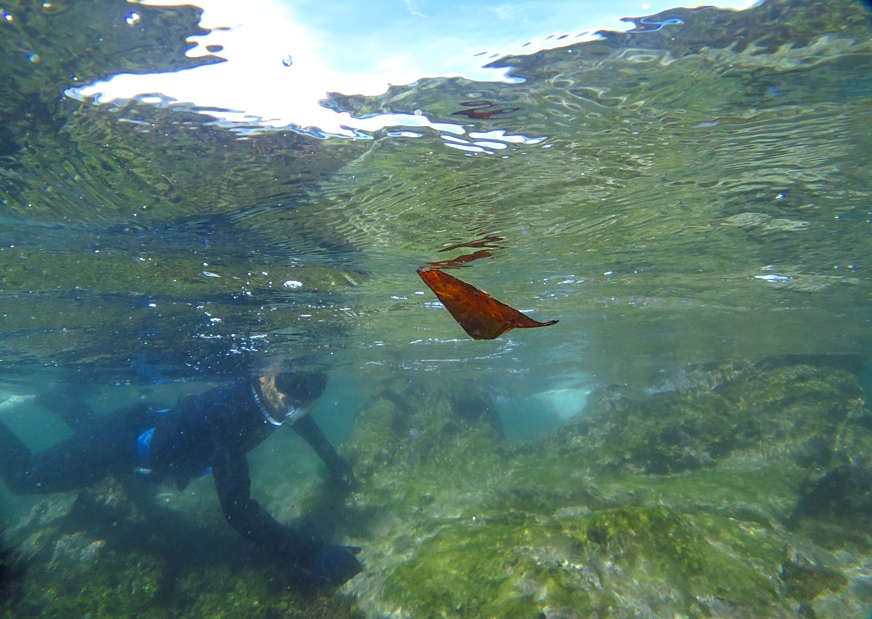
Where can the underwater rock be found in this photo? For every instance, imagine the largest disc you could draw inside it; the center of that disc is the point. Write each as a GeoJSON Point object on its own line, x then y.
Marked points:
{"type": "Point", "coordinates": [621, 562]}
{"type": "Point", "coordinates": [36, 529]}
{"type": "Point", "coordinates": [46, 511]}
{"type": "Point", "coordinates": [843, 491]}
{"type": "Point", "coordinates": [835, 501]}
{"type": "Point", "coordinates": [851, 601]}
{"type": "Point", "coordinates": [809, 572]}
{"type": "Point", "coordinates": [406, 425]}
{"type": "Point", "coordinates": [107, 552]}
{"type": "Point", "coordinates": [656, 505]}
{"type": "Point", "coordinates": [786, 412]}
{"type": "Point", "coordinates": [8, 574]}
{"type": "Point", "coordinates": [76, 548]}
{"type": "Point", "coordinates": [60, 571]}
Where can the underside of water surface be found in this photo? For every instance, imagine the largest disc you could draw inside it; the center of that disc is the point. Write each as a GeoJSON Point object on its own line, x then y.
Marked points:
{"type": "Point", "coordinates": [689, 196]}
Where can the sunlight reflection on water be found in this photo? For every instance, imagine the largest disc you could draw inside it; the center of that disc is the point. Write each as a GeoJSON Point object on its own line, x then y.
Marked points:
{"type": "Point", "coordinates": [283, 59]}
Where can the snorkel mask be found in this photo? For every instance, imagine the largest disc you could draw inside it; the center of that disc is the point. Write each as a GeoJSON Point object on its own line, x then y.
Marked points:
{"type": "Point", "coordinates": [287, 397]}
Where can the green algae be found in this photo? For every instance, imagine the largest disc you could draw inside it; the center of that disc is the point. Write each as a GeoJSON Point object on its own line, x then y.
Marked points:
{"type": "Point", "coordinates": [100, 555]}
{"type": "Point", "coordinates": [428, 429]}
{"type": "Point", "coordinates": [568, 524]}
{"type": "Point", "coordinates": [493, 570]}
{"type": "Point", "coordinates": [479, 571]}
{"type": "Point", "coordinates": [673, 547]}
{"type": "Point", "coordinates": [224, 593]}
{"type": "Point", "coordinates": [129, 585]}
{"type": "Point", "coordinates": [794, 412]}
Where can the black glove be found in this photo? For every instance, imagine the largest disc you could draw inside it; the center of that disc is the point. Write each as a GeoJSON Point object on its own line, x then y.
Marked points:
{"type": "Point", "coordinates": [342, 474]}
{"type": "Point", "coordinates": [337, 564]}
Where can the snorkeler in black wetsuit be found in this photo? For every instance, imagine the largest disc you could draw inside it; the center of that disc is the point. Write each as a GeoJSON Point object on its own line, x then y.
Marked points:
{"type": "Point", "coordinates": [214, 431]}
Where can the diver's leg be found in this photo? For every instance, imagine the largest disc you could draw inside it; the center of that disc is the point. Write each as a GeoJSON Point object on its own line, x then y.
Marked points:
{"type": "Point", "coordinates": [75, 463]}
{"type": "Point", "coordinates": [69, 405]}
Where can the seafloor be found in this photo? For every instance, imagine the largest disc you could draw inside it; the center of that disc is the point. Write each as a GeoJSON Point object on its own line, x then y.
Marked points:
{"type": "Point", "coordinates": [744, 492]}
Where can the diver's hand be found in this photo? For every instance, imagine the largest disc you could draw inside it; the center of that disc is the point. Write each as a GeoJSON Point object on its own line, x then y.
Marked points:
{"type": "Point", "coordinates": [342, 474]}
{"type": "Point", "coordinates": [337, 564]}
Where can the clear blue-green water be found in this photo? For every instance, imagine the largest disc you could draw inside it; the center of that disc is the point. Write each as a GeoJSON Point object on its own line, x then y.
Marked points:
{"type": "Point", "coordinates": [686, 192]}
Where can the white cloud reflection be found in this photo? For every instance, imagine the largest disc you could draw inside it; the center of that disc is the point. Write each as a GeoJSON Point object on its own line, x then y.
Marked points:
{"type": "Point", "coordinates": [284, 56]}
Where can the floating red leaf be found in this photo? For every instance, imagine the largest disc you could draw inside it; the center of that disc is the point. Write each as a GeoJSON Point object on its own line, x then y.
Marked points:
{"type": "Point", "coordinates": [482, 317]}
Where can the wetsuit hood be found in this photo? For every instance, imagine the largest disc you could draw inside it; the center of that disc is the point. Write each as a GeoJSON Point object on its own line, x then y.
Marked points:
{"type": "Point", "coordinates": [286, 397]}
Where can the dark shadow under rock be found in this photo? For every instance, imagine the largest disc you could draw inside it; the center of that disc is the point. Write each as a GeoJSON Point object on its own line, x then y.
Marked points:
{"type": "Point", "coordinates": [808, 574]}
{"type": "Point", "coordinates": [12, 574]}
{"type": "Point", "coordinates": [835, 501]}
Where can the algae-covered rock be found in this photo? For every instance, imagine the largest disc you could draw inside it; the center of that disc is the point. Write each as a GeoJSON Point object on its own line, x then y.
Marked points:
{"type": "Point", "coordinates": [646, 561]}
{"type": "Point", "coordinates": [740, 439]}
{"type": "Point", "coordinates": [609, 515]}
{"type": "Point", "coordinates": [780, 412]}
{"type": "Point", "coordinates": [808, 573]}
{"type": "Point", "coordinates": [835, 502]}
{"type": "Point", "coordinates": [8, 575]}
{"type": "Point", "coordinates": [410, 426]}
{"type": "Point", "coordinates": [106, 553]}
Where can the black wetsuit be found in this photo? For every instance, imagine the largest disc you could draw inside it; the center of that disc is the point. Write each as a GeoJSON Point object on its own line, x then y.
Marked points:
{"type": "Point", "coordinates": [213, 430]}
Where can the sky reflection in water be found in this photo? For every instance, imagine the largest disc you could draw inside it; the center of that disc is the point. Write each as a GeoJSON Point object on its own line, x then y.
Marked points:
{"type": "Point", "coordinates": [283, 58]}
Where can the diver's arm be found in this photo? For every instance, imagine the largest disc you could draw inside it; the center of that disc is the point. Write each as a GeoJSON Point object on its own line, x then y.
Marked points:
{"type": "Point", "coordinates": [335, 564]}
{"type": "Point", "coordinates": [312, 434]}
{"type": "Point", "coordinates": [339, 468]}
{"type": "Point", "coordinates": [249, 519]}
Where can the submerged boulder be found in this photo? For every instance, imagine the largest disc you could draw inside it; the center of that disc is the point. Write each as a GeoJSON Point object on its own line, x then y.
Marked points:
{"type": "Point", "coordinates": [100, 553]}
{"type": "Point", "coordinates": [407, 425]}
{"type": "Point", "coordinates": [663, 504]}
{"type": "Point", "coordinates": [760, 410]}
{"type": "Point", "coordinates": [632, 561]}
